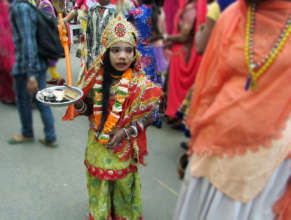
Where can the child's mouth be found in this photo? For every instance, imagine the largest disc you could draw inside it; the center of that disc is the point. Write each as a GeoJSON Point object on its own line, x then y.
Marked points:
{"type": "Point", "coordinates": [121, 65]}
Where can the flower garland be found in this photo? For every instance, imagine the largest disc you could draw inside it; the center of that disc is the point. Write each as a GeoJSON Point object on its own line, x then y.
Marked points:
{"type": "Point", "coordinates": [249, 54]}
{"type": "Point", "coordinates": [114, 115]}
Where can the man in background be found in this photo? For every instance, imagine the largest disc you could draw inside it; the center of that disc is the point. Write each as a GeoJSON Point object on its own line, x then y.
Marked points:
{"type": "Point", "coordinates": [29, 74]}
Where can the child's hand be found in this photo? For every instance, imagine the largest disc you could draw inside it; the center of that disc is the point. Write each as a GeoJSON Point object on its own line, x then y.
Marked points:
{"type": "Point", "coordinates": [116, 137]}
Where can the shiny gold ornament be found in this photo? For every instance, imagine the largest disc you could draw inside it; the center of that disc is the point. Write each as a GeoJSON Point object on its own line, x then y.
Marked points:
{"type": "Point", "coordinates": [119, 30]}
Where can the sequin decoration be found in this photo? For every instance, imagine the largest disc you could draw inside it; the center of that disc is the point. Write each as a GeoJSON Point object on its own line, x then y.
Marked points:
{"type": "Point", "coordinates": [120, 30]}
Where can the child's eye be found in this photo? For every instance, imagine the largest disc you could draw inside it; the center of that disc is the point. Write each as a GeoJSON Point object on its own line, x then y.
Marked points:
{"type": "Point", "coordinates": [128, 49]}
{"type": "Point", "coordinates": [114, 49]}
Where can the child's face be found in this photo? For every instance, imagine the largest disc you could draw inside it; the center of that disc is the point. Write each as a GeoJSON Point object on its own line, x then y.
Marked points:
{"type": "Point", "coordinates": [121, 56]}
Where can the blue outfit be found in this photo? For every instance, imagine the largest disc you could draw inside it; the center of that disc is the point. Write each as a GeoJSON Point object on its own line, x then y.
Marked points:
{"type": "Point", "coordinates": [223, 4]}
{"type": "Point", "coordinates": [28, 63]}
{"type": "Point", "coordinates": [142, 20]}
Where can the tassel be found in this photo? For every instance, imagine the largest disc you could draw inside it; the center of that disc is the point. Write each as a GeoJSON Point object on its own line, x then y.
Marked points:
{"type": "Point", "coordinates": [248, 82]}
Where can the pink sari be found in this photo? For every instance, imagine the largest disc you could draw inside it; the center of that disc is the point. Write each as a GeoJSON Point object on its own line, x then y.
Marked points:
{"type": "Point", "coordinates": [170, 7]}
{"type": "Point", "coordinates": [6, 55]}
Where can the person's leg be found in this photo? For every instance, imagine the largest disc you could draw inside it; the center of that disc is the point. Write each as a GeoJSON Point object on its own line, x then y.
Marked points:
{"type": "Point", "coordinates": [99, 198]}
{"type": "Point", "coordinates": [23, 102]}
{"type": "Point", "coordinates": [127, 201]}
{"type": "Point", "coordinates": [46, 113]}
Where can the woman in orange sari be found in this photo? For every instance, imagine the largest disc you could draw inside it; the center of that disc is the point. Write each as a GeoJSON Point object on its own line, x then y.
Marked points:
{"type": "Point", "coordinates": [240, 118]}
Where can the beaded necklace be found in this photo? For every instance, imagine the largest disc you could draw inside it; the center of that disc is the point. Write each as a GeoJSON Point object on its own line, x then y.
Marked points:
{"type": "Point", "coordinates": [257, 69]}
{"type": "Point", "coordinates": [114, 115]}
{"type": "Point", "coordinates": [115, 77]}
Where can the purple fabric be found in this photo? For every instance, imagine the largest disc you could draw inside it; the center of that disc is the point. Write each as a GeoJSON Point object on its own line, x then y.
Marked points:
{"type": "Point", "coordinates": [47, 6]}
{"type": "Point", "coordinates": [52, 63]}
{"type": "Point", "coordinates": [162, 64]}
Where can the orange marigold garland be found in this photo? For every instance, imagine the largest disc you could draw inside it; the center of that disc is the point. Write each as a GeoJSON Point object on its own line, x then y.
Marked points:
{"type": "Point", "coordinates": [114, 115]}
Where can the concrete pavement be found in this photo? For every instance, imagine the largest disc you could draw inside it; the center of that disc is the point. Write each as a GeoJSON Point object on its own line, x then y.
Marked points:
{"type": "Point", "coordinates": [40, 183]}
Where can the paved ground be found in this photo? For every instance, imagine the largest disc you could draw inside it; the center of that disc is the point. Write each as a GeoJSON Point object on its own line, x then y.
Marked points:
{"type": "Point", "coordinates": [39, 183]}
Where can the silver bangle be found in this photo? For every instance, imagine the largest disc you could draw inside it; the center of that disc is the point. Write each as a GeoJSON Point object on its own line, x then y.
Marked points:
{"type": "Point", "coordinates": [83, 108]}
{"type": "Point", "coordinates": [140, 124]}
{"type": "Point", "coordinates": [126, 132]}
{"type": "Point", "coordinates": [134, 135]}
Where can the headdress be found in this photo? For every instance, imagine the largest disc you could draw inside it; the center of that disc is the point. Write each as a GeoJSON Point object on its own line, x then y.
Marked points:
{"type": "Point", "coordinates": [119, 30]}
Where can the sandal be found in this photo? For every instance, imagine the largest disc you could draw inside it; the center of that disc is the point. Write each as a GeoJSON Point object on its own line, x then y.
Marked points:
{"type": "Point", "coordinates": [182, 164]}
{"type": "Point", "coordinates": [48, 144]}
{"type": "Point", "coordinates": [184, 145]}
{"type": "Point", "coordinates": [19, 139]}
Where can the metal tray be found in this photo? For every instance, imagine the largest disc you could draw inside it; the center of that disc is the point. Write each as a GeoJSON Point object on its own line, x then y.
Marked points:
{"type": "Point", "coordinates": [40, 96]}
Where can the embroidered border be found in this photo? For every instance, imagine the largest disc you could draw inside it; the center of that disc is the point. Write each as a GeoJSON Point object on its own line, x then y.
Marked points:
{"type": "Point", "coordinates": [109, 174]}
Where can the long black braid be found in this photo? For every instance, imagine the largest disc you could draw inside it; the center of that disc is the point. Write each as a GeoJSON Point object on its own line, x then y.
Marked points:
{"type": "Point", "coordinates": [106, 84]}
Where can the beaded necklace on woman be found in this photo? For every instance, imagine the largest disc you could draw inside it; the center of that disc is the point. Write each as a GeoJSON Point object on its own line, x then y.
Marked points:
{"type": "Point", "coordinates": [257, 69]}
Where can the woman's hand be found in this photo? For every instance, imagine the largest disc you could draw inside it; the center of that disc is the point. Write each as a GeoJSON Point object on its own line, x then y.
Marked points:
{"type": "Point", "coordinates": [116, 137]}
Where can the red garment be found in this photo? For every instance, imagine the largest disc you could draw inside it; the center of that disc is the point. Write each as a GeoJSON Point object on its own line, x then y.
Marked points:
{"type": "Point", "coordinates": [6, 88]}
{"type": "Point", "coordinates": [6, 55]}
{"type": "Point", "coordinates": [283, 206]}
{"type": "Point", "coordinates": [171, 8]}
{"type": "Point", "coordinates": [181, 73]}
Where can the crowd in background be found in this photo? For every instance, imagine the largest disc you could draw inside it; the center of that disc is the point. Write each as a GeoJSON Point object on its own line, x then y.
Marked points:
{"type": "Point", "coordinates": [224, 71]}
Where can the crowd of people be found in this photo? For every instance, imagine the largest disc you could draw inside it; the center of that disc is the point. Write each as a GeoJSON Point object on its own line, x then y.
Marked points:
{"type": "Point", "coordinates": [218, 71]}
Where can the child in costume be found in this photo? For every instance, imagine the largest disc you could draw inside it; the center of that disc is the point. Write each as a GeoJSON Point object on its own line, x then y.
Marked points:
{"type": "Point", "coordinates": [120, 103]}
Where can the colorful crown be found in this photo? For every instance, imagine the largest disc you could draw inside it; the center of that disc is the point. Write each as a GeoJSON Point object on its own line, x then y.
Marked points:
{"type": "Point", "coordinates": [119, 30]}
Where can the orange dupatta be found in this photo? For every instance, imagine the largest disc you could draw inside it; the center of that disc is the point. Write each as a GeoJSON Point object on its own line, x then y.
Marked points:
{"type": "Point", "coordinates": [223, 117]}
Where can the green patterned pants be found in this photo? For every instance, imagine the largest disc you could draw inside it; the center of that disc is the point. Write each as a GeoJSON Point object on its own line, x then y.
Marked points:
{"type": "Point", "coordinates": [118, 199]}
